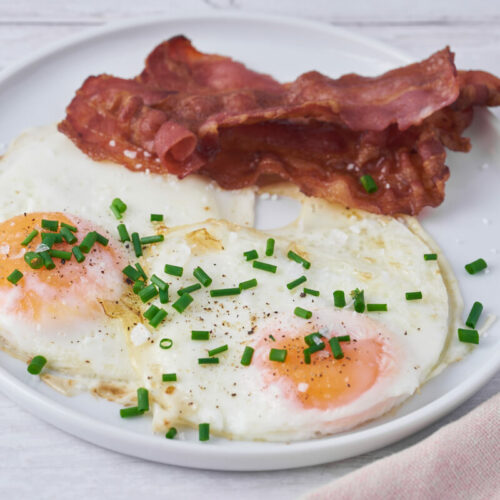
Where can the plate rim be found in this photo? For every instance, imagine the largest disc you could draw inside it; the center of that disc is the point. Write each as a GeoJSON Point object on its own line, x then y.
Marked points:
{"type": "Point", "coordinates": [198, 455]}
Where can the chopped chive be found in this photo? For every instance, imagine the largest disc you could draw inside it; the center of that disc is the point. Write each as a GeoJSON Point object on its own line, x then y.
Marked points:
{"type": "Point", "coordinates": [208, 361]}
{"type": "Point", "coordinates": [36, 365]}
{"type": "Point", "coordinates": [251, 254]}
{"type": "Point", "coordinates": [151, 311]}
{"type": "Point", "coordinates": [245, 285]}
{"type": "Point", "coordinates": [223, 292]}
{"type": "Point", "coordinates": [148, 240]}
{"type": "Point", "coordinates": [116, 212]}
{"type": "Point", "coordinates": [302, 313]}
{"type": "Point", "coordinates": [300, 260]}
{"type": "Point", "coordinates": [138, 286]}
{"type": "Point", "coordinates": [33, 260]}
{"type": "Point", "coordinates": [368, 183]}
{"type": "Point", "coordinates": [29, 238]}
{"type": "Point", "coordinates": [173, 270]}
{"type": "Point", "coordinates": [169, 377]}
{"type": "Point", "coordinates": [68, 235]}
{"type": "Point", "coordinates": [148, 293]}
{"type": "Point", "coordinates": [136, 242]}
{"type": "Point", "coordinates": [307, 356]}
{"type": "Point", "coordinates": [47, 260]}
{"type": "Point", "coordinates": [218, 350]}
{"type": "Point", "coordinates": [278, 355]}
{"type": "Point", "coordinates": [166, 343]}
{"type": "Point", "coordinates": [336, 349]}
{"type": "Point", "coordinates": [163, 296]}
{"type": "Point", "coordinates": [263, 266]}
{"type": "Point", "coordinates": [204, 432]}
{"type": "Point", "coordinates": [413, 295]}
{"type": "Point", "coordinates": [476, 266]}
{"type": "Point", "coordinates": [50, 239]}
{"type": "Point", "coordinates": [142, 399]}
{"type": "Point", "coordinates": [344, 338]}
{"type": "Point", "coordinates": [73, 229]}
{"type": "Point", "coordinates": [131, 411]}
{"type": "Point", "coordinates": [50, 225]}
{"type": "Point", "coordinates": [158, 318]}
{"type": "Point", "coordinates": [181, 304]}
{"type": "Point", "coordinates": [246, 358]}
{"type": "Point", "coordinates": [270, 247]}
{"type": "Point", "coordinates": [102, 240]}
{"type": "Point", "coordinates": [171, 433]}
{"type": "Point", "coordinates": [313, 339]}
{"type": "Point", "coordinates": [376, 307]}
{"type": "Point", "coordinates": [316, 347]}
{"type": "Point", "coordinates": [78, 254]}
{"type": "Point", "coordinates": [359, 300]}
{"type": "Point", "coordinates": [123, 233]}
{"type": "Point", "coordinates": [200, 335]}
{"type": "Point", "coordinates": [339, 298]}
{"type": "Point", "coordinates": [310, 291]}
{"type": "Point", "coordinates": [202, 276]}
{"type": "Point", "coordinates": [189, 289]}
{"type": "Point", "coordinates": [131, 272]}
{"type": "Point", "coordinates": [141, 271]}
{"type": "Point", "coordinates": [88, 242]}
{"type": "Point", "coordinates": [295, 283]}
{"type": "Point", "coordinates": [474, 314]}
{"type": "Point", "coordinates": [430, 256]}
{"type": "Point", "coordinates": [156, 218]}
{"type": "Point", "coordinates": [60, 254]}
{"type": "Point", "coordinates": [159, 283]}
{"type": "Point", "coordinates": [118, 208]}
{"type": "Point", "coordinates": [469, 336]}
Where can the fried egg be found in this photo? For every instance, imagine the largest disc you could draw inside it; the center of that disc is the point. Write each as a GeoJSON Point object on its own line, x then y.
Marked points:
{"type": "Point", "coordinates": [279, 396]}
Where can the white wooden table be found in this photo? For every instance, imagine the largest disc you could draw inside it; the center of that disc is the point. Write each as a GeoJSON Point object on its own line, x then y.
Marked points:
{"type": "Point", "coordinates": [38, 460]}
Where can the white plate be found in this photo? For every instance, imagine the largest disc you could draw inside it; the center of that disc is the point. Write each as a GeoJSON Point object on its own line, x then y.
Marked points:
{"type": "Point", "coordinates": [37, 91]}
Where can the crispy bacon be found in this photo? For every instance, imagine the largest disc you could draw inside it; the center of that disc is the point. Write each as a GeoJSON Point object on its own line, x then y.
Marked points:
{"type": "Point", "coordinates": [191, 112]}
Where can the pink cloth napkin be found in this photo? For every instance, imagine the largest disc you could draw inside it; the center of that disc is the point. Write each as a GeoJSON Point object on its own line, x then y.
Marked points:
{"type": "Point", "coordinates": [459, 461]}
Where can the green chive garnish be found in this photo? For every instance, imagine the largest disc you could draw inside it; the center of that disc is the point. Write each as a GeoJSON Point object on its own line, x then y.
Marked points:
{"type": "Point", "coordinates": [336, 349]}
{"type": "Point", "coordinates": [118, 208]}
{"type": "Point", "coordinates": [181, 304]}
{"type": "Point", "coordinates": [202, 276]}
{"type": "Point", "coordinates": [169, 377]}
{"type": "Point", "coordinates": [339, 298]}
{"type": "Point", "coordinates": [413, 295]}
{"type": "Point", "coordinates": [132, 411]}
{"type": "Point", "coordinates": [47, 260]}
{"type": "Point", "coordinates": [60, 254]}
{"type": "Point", "coordinates": [50, 225]}
{"type": "Point", "coordinates": [368, 183]}
{"type": "Point", "coordinates": [302, 313]}
{"type": "Point", "coordinates": [204, 432]}
{"type": "Point", "coordinates": [270, 247]}
{"type": "Point", "coordinates": [136, 242]}
{"type": "Point", "coordinates": [200, 335]}
{"type": "Point", "coordinates": [163, 296]}
{"type": "Point", "coordinates": [141, 271]}
{"type": "Point", "coordinates": [263, 266]}
{"type": "Point", "coordinates": [132, 273]}
{"type": "Point", "coordinates": [313, 339]}
{"type": "Point", "coordinates": [208, 361]}
{"type": "Point", "coordinates": [148, 240]}
{"type": "Point", "coordinates": [277, 355]}
{"type": "Point", "coordinates": [73, 229]}
{"type": "Point", "coordinates": [142, 399]}
{"type": "Point", "coordinates": [68, 235]}
{"type": "Point", "coordinates": [138, 286]}
{"type": "Point", "coordinates": [245, 285]}
{"type": "Point", "coordinates": [123, 233]}
{"type": "Point", "coordinates": [189, 289]}
{"type": "Point", "coordinates": [36, 365]}
{"type": "Point", "coordinates": [300, 260]}
{"type": "Point", "coordinates": [251, 254]}
{"type": "Point", "coordinates": [295, 283]}
{"type": "Point", "coordinates": [430, 256]}
{"type": "Point", "coordinates": [476, 266]}
{"type": "Point", "coordinates": [469, 336]}
{"type": "Point", "coordinates": [102, 240]}
{"type": "Point", "coordinates": [158, 318]}
{"type": "Point", "coordinates": [246, 358]}
{"type": "Point", "coordinates": [474, 314]}
{"type": "Point", "coordinates": [166, 343]}
{"type": "Point", "coordinates": [156, 218]}
{"type": "Point", "coordinates": [159, 283]}
{"type": "Point", "coordinates": [223, 292]}
{"type": "Point", "coordinates": [310, 291]}
{"type": "Point", "coordinates": [359, 300]}
{"type": "Point", "coordinates": [376, 307]}
{"type": "Point", "coordinates": [218, 350]}
{"type": "Point", "coordinates": [78, 254]}
{"type": "Point", "coordinates": [33, 260]}
{"type": "Point", "coordinates": [344, 338]}
{"type": "Point", "coordinates": [151, 311]}
{"type": "Point", "coordinates": [173, 270]}
{"type": "Point", "coordinates": [50, 239]}
{"type": "Point", "coordinates": [29, 238]}
{"type": "Point", "coordinates": [171, 433]}
{"type": "Point", "coordinates": [148, 293]}
{"type": "Point", "coordinates": [88, 242]}
{"type": "Point", "coordinates": [307, 356]}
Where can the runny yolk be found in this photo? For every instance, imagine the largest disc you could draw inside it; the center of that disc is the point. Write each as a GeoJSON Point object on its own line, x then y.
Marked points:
{"type": "Point", "coordinates": [327, 382]}
{"type": "Point", "coordinates": [68, 290]}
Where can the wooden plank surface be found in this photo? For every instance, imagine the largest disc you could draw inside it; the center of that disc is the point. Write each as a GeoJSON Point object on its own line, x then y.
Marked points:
{"type": "Point", "coordinates": [40, 460]}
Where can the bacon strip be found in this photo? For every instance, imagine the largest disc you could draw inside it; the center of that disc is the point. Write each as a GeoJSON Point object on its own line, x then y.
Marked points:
{"type": "Point", "coordinates": [190, 112]}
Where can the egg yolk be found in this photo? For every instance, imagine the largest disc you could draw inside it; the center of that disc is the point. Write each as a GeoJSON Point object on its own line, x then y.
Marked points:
{"type": "Point", "coordinates": [71, 288]}
{"type": "Point", "coordinates": [326, 382]}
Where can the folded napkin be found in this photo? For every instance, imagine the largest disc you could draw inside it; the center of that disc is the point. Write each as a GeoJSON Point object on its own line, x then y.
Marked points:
{"type": "Point", "coordinates": [459, 461]}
